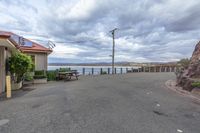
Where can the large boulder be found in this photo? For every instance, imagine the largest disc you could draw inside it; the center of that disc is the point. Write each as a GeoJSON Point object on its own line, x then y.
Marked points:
{"type": "Point", "coordinates": [187, 76]}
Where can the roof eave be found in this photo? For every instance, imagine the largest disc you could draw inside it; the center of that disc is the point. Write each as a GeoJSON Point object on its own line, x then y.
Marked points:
{"type": "Point", "coordinates": [36, 51]}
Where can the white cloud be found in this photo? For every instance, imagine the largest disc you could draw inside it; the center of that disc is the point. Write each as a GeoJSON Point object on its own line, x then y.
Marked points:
{"type": "Point", "coordinates": [65, 51]}
{"type": "Point", "coordinates": [154, 30]}
{"type": "Point", "coordinates": [125, 44]}
{"type": "Point", "coordinates": [76, 11]}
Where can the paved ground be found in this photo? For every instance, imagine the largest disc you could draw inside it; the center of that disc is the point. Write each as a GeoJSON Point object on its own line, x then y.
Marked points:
{"type": "Point", "coordinates": [131, 103]}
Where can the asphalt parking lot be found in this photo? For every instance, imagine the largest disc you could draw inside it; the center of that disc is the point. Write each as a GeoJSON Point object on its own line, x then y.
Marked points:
{"type": "Point", "coordinates": [128, 103]}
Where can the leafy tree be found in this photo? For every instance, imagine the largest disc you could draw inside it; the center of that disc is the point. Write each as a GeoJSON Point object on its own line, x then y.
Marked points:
{"type": "Point", "coordinates": [184, 63]}
{"type": "Point", "coordinates": [19, 64]}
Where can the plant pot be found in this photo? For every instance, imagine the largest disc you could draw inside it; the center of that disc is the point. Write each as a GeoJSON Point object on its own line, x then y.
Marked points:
{"type": "Point", "coordinates": [16, 86]}
{"type": "Point", "coordinates": [40, 81]}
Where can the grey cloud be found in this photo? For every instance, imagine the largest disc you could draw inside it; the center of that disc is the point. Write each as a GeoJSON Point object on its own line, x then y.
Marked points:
{"type": "Point", "coordinates": [190, 21]}
{"type": "Point", "coordinates": [22, 3]}
{"type": "Point", "coordinates": [162, 34]}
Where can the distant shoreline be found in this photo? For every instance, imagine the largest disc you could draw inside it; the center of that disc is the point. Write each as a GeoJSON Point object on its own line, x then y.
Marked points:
{"type": "Point", "coordinates": [86, 65]}
{"type": "Point", "coordinates": [128, 64]}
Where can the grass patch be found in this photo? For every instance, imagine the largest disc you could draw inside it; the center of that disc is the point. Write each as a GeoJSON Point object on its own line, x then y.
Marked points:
{"type": "Point", "coordinates": [196, 84]}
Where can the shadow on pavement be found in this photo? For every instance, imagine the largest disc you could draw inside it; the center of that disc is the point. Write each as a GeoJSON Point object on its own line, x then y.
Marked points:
{"type": "Point", "coordinates": [18, 93]}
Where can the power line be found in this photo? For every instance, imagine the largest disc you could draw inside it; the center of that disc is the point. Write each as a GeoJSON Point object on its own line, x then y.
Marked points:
{"type": "Point", "coordinates": [81, 41]}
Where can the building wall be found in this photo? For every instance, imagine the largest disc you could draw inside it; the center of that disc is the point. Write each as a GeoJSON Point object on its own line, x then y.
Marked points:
{"type": "Point", "coordinates": [2, 69]}
{"type": "Point", "coordinates": [40, 60]}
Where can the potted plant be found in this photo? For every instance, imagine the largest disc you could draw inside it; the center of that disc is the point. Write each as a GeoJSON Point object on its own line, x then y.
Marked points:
{"type": "Point", "coordinates": [40, 77]}
{"type": "Point", "coordinates": [19, 64]}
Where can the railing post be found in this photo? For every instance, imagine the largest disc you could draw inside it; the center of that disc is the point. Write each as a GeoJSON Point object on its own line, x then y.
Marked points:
{"type": "Point", "coordinates": [101, 71]}
{"type": "Point", "coordinates": [83, 71]}
{"type": "Point", "coordinates": [115, 70]}
{"type": "Point", "coordinates": [108, 70]}
{"type": "Point", "coordinates": [142, 69]}
{"type": "Point", "coordinates": [121, 70]}
{"type": "Point", "coordinates": [92, 71]}
{"type": "Point", "coordinates": [126, 70]}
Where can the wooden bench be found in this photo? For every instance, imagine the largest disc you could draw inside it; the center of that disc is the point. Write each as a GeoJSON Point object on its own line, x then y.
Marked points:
{"type": "Point", "coordinates": [68, 75]}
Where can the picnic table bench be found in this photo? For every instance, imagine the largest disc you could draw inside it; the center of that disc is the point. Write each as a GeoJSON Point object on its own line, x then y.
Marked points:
{"type": "Point", "coordinates": [68, 75]}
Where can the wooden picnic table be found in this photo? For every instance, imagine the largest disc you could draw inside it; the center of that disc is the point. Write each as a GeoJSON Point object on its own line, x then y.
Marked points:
{"type": "Point", "coordinates": [68, 75]}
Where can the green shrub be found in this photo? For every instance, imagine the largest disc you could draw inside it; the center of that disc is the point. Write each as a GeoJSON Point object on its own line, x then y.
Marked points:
{"type": "Point", "coordinates": [103, 72]}
{"type": "Point", "coordinates": [39, 76]}
{"type": "Point", "coordinates": [184, 63]}
{"type": "Point", "coordinates": [196, 84]}
{"type": "Point", "coordinates": [28, 76]}
{"type": "Point", "coordinates": [19, 64]}
{"type": "Point", "coordinates": [64, 69]}
{"type": "Point", "coordinates": [51, 75]}
{"type": "Point", "coordinates": [40, 72]}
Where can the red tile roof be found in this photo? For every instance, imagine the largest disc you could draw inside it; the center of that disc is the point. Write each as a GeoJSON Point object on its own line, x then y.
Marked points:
{"type": "Point", "coordinates": [35, 48]}
{"type": "Point", "coordinates": [5, 34]}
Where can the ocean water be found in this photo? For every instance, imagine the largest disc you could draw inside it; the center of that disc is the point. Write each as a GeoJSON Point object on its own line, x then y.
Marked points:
{"type": "Point", "coordinates": [96, 69]}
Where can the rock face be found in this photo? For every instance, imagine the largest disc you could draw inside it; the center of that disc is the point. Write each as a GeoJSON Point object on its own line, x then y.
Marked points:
{"type": "Point", "coordinates": [192, 73]}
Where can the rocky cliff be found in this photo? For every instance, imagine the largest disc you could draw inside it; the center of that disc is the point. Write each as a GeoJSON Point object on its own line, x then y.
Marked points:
{"type": "Point", "coordinates": [192, 73]}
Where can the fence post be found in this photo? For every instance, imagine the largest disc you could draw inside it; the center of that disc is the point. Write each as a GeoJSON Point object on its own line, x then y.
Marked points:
{"type": "Point", "coordinates": [108, 70]}
{"type": "Point", "coordinates": [165, 69]}
{"type": "Point", "coordinates": [83, 71]}
{"type": "Point", "coordinates": [92, 71]}
{"type": "Point", "coordinates": [142, 69]}
{"type": "Point", "coordinates": [121, 70]}
{"type": "Point", "coordinates": [101, 71]}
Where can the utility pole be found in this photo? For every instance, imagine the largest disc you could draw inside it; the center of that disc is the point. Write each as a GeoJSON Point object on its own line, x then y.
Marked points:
{"type": "Point", "coordinates": [113, 50]}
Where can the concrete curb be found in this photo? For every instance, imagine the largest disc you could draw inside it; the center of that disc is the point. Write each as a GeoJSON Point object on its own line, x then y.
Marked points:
{"type": "Point", "coordinates": [170, 84]}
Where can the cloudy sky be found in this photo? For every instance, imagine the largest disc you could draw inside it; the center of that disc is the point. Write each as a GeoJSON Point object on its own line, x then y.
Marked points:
{"type": "Point", "coordinates": [148, 30]}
